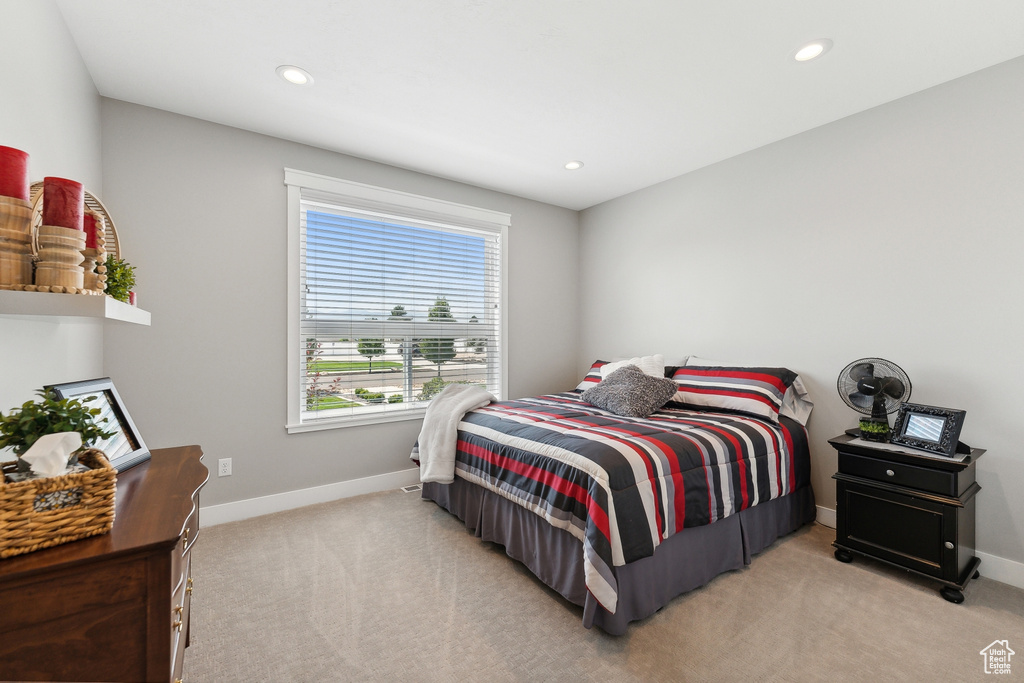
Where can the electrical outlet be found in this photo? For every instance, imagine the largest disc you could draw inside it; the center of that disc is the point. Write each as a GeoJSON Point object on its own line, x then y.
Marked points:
{"type": "Point", "coordinates": [224, 467]}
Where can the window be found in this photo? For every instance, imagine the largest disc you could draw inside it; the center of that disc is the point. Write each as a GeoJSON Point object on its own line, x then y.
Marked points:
{"type": "Point", "coordinates": [392, 297]}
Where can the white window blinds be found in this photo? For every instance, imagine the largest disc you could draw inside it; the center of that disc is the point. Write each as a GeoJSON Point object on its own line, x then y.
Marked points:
{"type": "Point", "coordinates": [396, 297]}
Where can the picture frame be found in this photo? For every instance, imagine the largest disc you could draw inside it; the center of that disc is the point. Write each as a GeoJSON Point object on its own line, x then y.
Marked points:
{"type": "Point", "coordinates": [126, 448]}
{"type": "Point", "coordinates": [928, 428]}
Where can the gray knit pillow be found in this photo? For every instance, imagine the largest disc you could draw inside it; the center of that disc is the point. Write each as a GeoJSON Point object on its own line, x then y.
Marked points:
{"type": "Point", "coordinates": [630, 392]}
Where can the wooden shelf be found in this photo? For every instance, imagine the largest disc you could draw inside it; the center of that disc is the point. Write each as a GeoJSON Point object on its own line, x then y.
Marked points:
{"type": "Point", "coordinates": [69, 307]}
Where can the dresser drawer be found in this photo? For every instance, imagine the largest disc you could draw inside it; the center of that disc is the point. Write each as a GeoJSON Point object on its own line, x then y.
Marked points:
{"type": "Point", "coordinates": [179, 556]}
{"type": "Point", "coordinates": [182, 600]}
{"type": "Point", "coordinates": [911, 476]}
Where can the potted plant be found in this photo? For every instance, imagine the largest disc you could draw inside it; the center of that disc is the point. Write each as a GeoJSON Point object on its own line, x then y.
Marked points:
{"type": "Point", "coordinates": [874, 429]}
{"type": "Point", "coordinates": [120, 278]}
{"type": "Point", "coordinates": [23, 426]}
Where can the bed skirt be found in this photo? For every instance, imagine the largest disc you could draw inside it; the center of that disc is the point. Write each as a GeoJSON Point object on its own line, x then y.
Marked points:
{"type": "Point", "coordinates": [684, 561]}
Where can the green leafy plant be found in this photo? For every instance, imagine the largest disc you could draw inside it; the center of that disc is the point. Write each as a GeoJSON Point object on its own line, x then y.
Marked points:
{"type": "Point", "coordinates": [432, 387]}
{"type": "Point", "coordinates": [120, 278]}
{"type": "Point", "coordinates": [23, 426]}
{"type": "Point", "coordinates": [395, 398]}
{"type": "Point", "coordinates": [371, 348]}
{"type": "Point", "coordinates": [874, 430]}
{"type": "Point", "coordinates": [436, 385]}
{"type": "Point", "coordinates": [438, 351]}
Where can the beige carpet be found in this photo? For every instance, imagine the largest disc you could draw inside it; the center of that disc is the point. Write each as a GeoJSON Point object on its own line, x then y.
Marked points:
{"type": "Point", "coordinates": [388, 587]}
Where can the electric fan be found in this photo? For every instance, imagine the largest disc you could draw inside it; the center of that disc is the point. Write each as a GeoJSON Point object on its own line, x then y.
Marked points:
{"type": "Point", "coordinates": [874, 387]}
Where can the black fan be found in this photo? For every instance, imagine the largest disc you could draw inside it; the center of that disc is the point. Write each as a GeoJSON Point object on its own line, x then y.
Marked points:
{"type": "Point", "coordinates": [875, 387]}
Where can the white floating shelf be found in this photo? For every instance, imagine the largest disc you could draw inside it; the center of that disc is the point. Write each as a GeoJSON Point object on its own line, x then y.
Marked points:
{"type": "Point", "coordinates": [69, 307]}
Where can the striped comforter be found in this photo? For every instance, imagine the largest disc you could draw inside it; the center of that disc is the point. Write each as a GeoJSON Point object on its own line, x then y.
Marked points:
{"type": "Point", "coordinates": [622, 485]}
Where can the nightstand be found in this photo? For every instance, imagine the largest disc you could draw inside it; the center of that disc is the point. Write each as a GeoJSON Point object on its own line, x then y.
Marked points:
{"type": "Point", "coordinates": [908, 508]}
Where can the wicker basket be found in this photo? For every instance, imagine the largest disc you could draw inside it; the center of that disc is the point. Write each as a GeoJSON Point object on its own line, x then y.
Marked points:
{"type": "Point", "coordinates": [40, 513]}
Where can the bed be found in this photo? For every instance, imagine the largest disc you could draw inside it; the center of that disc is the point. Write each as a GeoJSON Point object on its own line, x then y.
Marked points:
{"type": "Point", "coordinates": [620, 514]}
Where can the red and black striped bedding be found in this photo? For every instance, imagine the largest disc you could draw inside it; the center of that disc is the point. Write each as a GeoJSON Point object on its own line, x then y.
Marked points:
{"type": "Point", "coordinates": [622, 485]}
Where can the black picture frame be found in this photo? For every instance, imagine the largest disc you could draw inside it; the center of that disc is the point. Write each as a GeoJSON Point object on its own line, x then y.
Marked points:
{"type": "Point", "coordinates": [928, 428]}
{"type": "Point", "coordinates": [126, 448]}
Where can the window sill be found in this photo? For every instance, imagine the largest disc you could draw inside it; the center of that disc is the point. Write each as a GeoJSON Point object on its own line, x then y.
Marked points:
{"type": "Point", "coordinates": [357, 420]}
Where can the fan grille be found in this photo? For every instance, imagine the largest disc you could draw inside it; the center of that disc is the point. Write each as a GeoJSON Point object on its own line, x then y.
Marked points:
{"type": "Point", "coordinates": [863, 385]}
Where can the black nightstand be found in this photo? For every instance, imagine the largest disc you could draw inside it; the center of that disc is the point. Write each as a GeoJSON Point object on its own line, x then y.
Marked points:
{"type": "Point", "coordinates": [908, 508]}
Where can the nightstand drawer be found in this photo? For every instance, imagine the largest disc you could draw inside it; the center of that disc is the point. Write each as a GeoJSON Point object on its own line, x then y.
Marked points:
{"type": "Point", "coordinates": [911, 476]}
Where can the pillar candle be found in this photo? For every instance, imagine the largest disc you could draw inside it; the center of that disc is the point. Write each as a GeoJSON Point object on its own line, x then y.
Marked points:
{"type": "Point", "coordinates": [63, 203]}
{"type": "Point", "coordinates": [13, 173]}
{"type": "Point", "coordinates": [91, 230]}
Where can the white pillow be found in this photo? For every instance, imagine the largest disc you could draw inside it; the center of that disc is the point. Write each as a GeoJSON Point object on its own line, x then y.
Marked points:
{"type": "Point", "coordinates": [795, 403]}
{"type": "Point", "coordinates": [651, 365]}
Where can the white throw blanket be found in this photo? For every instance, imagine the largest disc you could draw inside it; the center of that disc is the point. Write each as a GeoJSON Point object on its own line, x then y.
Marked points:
{"type": "Point", "coordinates": [436, 445]}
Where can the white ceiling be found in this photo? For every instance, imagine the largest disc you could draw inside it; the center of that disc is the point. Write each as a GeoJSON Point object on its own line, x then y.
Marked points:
{"type": "Point", "coordinates": [501, 93]}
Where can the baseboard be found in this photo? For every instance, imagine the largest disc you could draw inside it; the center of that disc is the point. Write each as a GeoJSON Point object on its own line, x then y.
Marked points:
{"type": "Point", "coordinates": [1001, 569]}
{"type": "Point", "coordinates": [992, 566]}
{"type": "Point", "coordinates": [826, 517]}
{"type": "Point", "coordinates": [264, 505]}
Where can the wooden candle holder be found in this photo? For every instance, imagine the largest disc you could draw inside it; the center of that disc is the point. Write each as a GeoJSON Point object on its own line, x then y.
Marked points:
{"type": "Point", "coordinates": [94, 264]}
{"type": "Point", "coordinates": [15, 243]}
{"type": "Point", "coordinates": [59, 268]}
{"type": "Point", "coordinates": [95, 273]}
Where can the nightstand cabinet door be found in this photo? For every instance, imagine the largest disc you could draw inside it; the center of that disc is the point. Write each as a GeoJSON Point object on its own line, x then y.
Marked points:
{"type": "Point", "coordinates": [913, 532]}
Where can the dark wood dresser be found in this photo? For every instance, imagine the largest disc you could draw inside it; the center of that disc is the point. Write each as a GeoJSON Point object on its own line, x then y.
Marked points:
{"type": "Point", "coordinates": [113, 607]}
{"type": "Point", "coordinates": [908, 508]}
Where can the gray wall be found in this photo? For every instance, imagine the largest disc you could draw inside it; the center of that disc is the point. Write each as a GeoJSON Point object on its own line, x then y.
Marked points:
{"type": "Point", "coordinates": [51, 110]}
{"type": "Point", "coordinates": [896, 232]}
{"type": "Point", "coordinates": [201, 210]}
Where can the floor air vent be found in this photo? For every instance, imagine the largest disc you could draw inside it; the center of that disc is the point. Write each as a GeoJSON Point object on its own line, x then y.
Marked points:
{"type": "Point", "coordinates": [411, 488]}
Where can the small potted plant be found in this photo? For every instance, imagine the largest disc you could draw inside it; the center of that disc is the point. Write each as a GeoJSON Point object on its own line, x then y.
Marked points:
{"type": "Point", "coordinates": [874, 429]}
{"type": "Point", "coordinates": [120, 278]}
{"type": "Point", "coordinates": [23, 426]}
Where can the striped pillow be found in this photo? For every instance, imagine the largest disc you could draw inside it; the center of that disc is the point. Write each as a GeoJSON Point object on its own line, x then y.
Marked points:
{"type": "Point", "coordinates": [593, 377]}
{"type": "Point", "coordinates": [756, 391]}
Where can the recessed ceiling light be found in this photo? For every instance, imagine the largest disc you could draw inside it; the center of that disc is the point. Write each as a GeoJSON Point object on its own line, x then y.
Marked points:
{"type": "Point", "coordinates": [813, 50]}
{"type": "Point", "coordinates": [294, 74]}
{"type": "Point", "coordinates": [574, 165]}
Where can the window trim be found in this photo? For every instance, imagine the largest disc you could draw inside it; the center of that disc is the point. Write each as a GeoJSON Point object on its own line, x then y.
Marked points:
{"type": "Point", "coordinates": [380, 201]}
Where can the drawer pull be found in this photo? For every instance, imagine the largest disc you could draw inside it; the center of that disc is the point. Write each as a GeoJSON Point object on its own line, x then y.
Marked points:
{"type": "Point", "coordinates": [890, 473]}
{"type": "Point", "coordinates": [949, 546]}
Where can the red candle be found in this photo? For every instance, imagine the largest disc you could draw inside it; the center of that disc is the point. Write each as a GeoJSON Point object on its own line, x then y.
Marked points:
{"type": "Point", "coordinates": [63, 203]}
{"type": "Point", "coordinates": [13, 173]}
{"type": "Point", "coordinates": [91, 230]}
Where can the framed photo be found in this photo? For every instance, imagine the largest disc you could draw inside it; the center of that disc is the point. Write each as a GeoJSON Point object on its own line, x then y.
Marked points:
{"type": "Point", "coordinates": [126, 448]}
{"type": "Point", "coordinates": [928, 428]}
